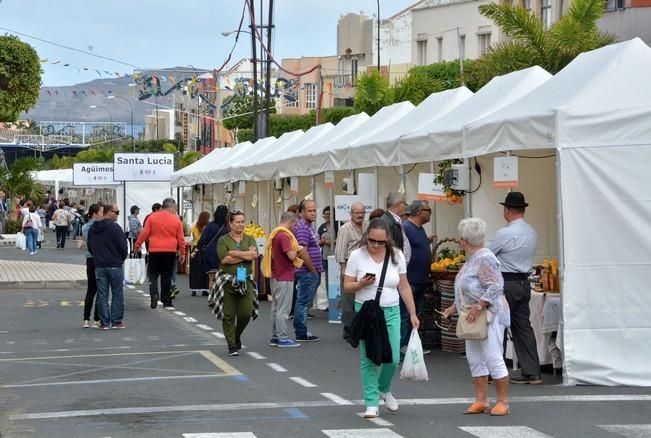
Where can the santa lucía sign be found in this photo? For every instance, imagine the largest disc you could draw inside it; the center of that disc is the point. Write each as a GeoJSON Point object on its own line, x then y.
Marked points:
{"type": "Point", "coordinates": [142, 167]}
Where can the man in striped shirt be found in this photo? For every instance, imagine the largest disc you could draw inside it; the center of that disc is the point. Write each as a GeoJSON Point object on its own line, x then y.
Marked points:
{"type": "Point", "coordinates": [308, 277]}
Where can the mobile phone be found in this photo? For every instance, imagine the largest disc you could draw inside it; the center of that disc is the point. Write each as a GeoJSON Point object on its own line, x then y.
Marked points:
{"type": "Point", "coordinates": [370, 275]}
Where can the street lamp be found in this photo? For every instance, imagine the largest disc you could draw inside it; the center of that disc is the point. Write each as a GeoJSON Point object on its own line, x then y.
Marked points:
{"type": "Point", "coordinates": [113, 96]}
{"type": "Point", "coordinates": [378, 36]}
{"type": "Point", "coordinates": [107, 110]}
{"type": "Point", "coordinates": [231, 32]}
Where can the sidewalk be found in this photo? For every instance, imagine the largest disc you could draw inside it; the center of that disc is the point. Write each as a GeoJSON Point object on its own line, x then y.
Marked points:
{"type": "Point", "coordinates": [16, 274]}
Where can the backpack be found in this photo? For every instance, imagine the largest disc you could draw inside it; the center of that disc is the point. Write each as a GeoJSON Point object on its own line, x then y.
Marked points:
{"type": "Point", "coordinates": [28, 223]}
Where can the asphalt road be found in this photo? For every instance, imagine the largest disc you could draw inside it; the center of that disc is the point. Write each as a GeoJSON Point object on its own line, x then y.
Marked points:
{"type": "Point", "coordinates": [167, 375]}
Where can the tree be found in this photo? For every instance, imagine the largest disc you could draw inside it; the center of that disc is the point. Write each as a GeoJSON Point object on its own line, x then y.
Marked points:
{"type": "Point", "coordinates": [416, 86]}
{"type": "Point", "coordinates": [373, 93]}
{"type": "Point", "coordinates": [20, 77]}
{"type": "Point", "coordinates": [531, 44]}
{"type": "Point", "coordinates": [18, 182]}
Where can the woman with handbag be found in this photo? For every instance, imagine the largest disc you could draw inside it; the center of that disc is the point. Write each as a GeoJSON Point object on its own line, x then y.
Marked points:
{"type": "Point", "coordinates": [31, 228]}
{"type": "Point", "coordinates": [206, 248]}
{"type": "Point", "coordinates": [483, 317]}
{"type": "Point", "coordinates": [62, 221]}
{"type": "Point", "coordinates": [198, 277]}
{"type": "Point", "coordinates": [378, 271]}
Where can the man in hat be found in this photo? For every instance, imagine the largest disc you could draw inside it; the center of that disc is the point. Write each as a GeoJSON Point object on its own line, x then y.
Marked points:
{"type": "Point", "coordinates": [514, 246]}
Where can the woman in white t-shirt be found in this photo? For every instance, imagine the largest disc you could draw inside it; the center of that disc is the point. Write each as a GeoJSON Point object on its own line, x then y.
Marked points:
{"type": "Point", "coordinates": [62, 221]}
{"type": "Point", "coordinates": [369, 259]}
{"type": "Point", "coordinates": [31, 227]}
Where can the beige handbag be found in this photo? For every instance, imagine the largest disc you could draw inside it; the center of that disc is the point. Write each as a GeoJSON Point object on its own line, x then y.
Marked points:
{"type": "Point", "coordinates": [477, 330]}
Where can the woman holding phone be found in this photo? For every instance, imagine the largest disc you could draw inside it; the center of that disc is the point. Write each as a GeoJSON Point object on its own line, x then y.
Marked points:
{"type": "Point", "coordinates": [362, 277]}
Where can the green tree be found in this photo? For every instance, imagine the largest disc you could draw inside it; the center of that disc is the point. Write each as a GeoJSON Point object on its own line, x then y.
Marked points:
{"type": "Point", "coordinates": [373, 93]}
{"type": "Point", "coordinates": [239, 113]}
{"type": "Point", "coordinates": [531, 44]}
{"type": "Point", "coordinates": [416, 86]}
{"type": "Point", "coordinates": [282, 123]}
{"type": "Point", "coordinates": [335, 114]}
{"type": "Point", "coordinates": [20, 77]}
{"type": "Point", "coordinates": [17, 181]}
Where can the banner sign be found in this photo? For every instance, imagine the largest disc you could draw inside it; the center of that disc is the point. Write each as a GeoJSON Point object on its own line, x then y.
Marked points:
{"type": "Point", "coordinates": [428, 189]}
{"type": "Point", "coordinates": [293, 185]}
{"type": "Point", "coordinates": [329, 179]}
{"type": "Point", "coordinates": [241, 188]}
{"type": "Point", "coordinates": [505, 172]}
{"type": "Point", "coordinates": [344, 202]}
{"type": "Point", "coordinates": [334, 291]}
{"type": "Point", "coordinates": [142, 167]}
{"type": "Point", "coordinates": [93, 174]}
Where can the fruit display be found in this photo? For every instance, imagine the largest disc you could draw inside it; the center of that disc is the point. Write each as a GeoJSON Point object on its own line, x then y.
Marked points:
{"type": "Point", "coordinates": [448, 263]}
{"type": "Point", "coordinates": [254, 230]}
{"type": "Point", "coordinates": [447, 258]}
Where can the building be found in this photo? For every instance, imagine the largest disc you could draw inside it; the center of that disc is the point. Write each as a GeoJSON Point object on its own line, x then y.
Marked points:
{"type": "Point", "coordinates": [628, 19]}
{"type": "Point", "coordinates": [299, 94]}
{"type": "Point", "coordinates": [159, 125]}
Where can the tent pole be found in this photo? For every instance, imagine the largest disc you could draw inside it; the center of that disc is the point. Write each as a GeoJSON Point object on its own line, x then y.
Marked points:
{"type": "Point", "coordinates": [467, 208]}
{"type": "Point", "coordinates": [376, 171]}
{"type": "Point", "coordinates": [432, 204]}
{"type": "Point", "coordinates": [561, 240]}
{"type": "Point", "coordinates": [124, 205]}
{"type": "Point", "coordinates": [257, 199]}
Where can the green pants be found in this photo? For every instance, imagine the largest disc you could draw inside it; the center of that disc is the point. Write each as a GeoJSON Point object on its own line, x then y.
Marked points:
{"type": "Point", "coordinates": [376, 379]}
{"type": "Point", "coordinates": [237, 313]}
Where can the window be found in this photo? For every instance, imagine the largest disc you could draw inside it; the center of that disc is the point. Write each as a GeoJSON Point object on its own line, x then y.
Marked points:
{"type": "Point", "coordinates": [290, 103]}
{"type": "Point", "coordinates": [310, 95]}
{"type": "Point", "coordinates": [439, 51]}
{"type": "Point", "coordinates": [462, 47]}
{"type": "Point", "coordinates": [421, 52]}
{"type": "Point", "coordinates": [483, 43]}
{"type": "Point", "coordinates": [546, 13]}
{"type": "Point", "coordinates": [353, 71]}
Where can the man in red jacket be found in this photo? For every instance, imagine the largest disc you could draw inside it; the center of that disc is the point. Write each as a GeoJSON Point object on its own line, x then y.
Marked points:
{"type": "Point", "coordinates": [163, 232]}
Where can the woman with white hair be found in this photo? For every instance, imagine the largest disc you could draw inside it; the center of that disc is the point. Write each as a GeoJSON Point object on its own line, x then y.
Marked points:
{"type": "Point", "coordinates": [481, 284]}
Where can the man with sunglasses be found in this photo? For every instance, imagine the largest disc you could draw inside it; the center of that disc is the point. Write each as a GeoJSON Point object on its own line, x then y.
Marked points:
{"type": "Point", "coordinates": [108, 246]}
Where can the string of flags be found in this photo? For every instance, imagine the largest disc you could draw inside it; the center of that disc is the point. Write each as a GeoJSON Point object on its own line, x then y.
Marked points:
{"type": "Point", "coordinates": [100, 72]}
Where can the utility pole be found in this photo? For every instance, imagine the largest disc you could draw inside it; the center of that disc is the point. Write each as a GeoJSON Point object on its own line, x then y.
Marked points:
{"type": "Point", "coordinates": [267, 88]}
{"type": "Point", "coordinates": [319, 93]}
{"type": "Point", "coordinates": [378, 36]}
{"type": "Point", "coordinates": [461, 54]}
{"type": "Point", "coordinates": [254, 63]}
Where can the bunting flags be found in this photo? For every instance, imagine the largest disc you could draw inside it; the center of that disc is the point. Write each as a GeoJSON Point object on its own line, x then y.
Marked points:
{"type": "Point", "coordinates": [100, 73]}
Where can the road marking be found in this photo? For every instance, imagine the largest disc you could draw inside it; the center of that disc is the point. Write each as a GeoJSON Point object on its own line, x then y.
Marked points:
{"type": "Point", "coordinates": [255, 355]}
{"type": "Point", "coordinates": [130, 286]}
{"type": "Point", "coordinates": [205, 327]}
{"type": "Point", "coordinates": [335, 398]}
{"type": "Point", "coordinates": [277, 367]}
{"type": "Point", "coordinates": [125, 380]}
{"type": "Point", "coordinates": [35, 303]}
{"type": "Point", "coordinates": [220, 435]}
{"type": "Point", "coordinates": [140, 291]}
{"type": "Point", "coordinates": [218, 335]}
{"type": "Point", "coordinates": [361, 433]}
{"type": "Point", "coordinates": [219, 363]}
{"type": "Point", "coordinates": [629, 430]}
{"type": "Point", "coordinates": [301, 381]}
{"type": "Point", "coordinates": [377, 420]}
{"type": "Point", "coordinates": [190, 319]}
{"type": "Point", "coordinates": [504, 432]}
{"type": "Point", "coordinates": [178, 312]}
{"type": "Point", "coordinates": [67, 303]}
{"type": "Point", "coordinates": [531, 399]}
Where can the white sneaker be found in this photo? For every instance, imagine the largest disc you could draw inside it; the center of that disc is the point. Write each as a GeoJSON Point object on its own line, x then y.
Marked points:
{"type": "Point", "coordinates": [372, 412]}
{"type": "Point", "coordinates": [389, 401]}
{"type": "Point", "coordinates": [86, 324]}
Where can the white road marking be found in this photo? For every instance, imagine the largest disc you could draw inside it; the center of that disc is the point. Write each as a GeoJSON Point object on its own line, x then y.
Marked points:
{"type": "Point", "coordinates": [335, 398]}
{"type": "Point", "coordinates": [178, 312]}
{"type": "Point", "coordinates": [218, 335]}
{"type": "Point", "coordinates": [129, 379]}
{"type": "Point", "coordinates": [504, 432]}
{"type": "Point", "coordinates": [378, 421]}
{"type": "Point", "coordinates": [205, 327]}
{"type": "Point", "coordinates": [220, 435]}
{"type": "Point", "coordinates": [277, 367]}
{"type": "Point", "coordinates": [629, 430]}
{"type": "Point", "coordinates": [130, 286]}
{"type": "Point", "coordinates": [361, 433]}
{"type": "Point", "coordinates": [301, 381]}
{"type": "Point", "coordinates": [189, 319]}
{"type": "Point", "coordinates": [140, 292]}
{"type": "Point", "coordinates": [255, 355]}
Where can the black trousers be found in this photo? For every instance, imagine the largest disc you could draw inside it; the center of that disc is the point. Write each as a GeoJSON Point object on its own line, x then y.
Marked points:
{"type": "Point", "coordinates": [518, 294]}
{"type": "Point", "coordinates": [161, 264]}
{"type": "Point", "coordinates": [91, 290]}
{"type": "Point", "coordinates": [61, 233]}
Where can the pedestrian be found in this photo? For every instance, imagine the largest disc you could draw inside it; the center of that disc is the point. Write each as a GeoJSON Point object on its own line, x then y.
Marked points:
{"type": "Point", "coordinates": [514, 245]}
{"type": "Point", "coordinates": [348, 240]}
{"type": "Point", "coordinates": [51, 208]}
{"type": "Point", "coordinates": [418, 268]}
{"type": "Point", "coordinates": [31, 226]}
{"type": "Point", "coordinates": [362, 278]}
{"type": "Point", "coordinates": [378, 212]}
{"type": "Point", "coordinates": [279, 263]}
{"type": "Point", "coordinates": [198, 277]}
{"type": "Point", "coordinates": [327, 237]}
{"type": "Point", "coordinates": [62, 221]}
{"type": "Point", "coordinates": [155, 207]}
{"type": "Point", "coordinates": [77, 218]}
{"type": "Point", "coordinates": [392, 216]}
{"type": "Point", "coordinates": [479, 287]}
{"type": "Point", "coordinates": [108, 246]}
{"type": "Point", "coordinates": [95, 213]}
{"type": "Point", "coordinates": [237, 253]}
{"type": "Point", "coordinates": [206, 248]}
{"type": "Point", "coordinates": [135, 227]}
{"type": "Point", "coordinates": [164, 232]}
{"type": "Point", "coordinates": [308, 276]}
{"type": "Point", "coordinates": [3, 211]}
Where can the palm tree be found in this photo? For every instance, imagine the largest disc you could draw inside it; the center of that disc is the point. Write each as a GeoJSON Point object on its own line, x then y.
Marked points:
{"type": "Point", "coordinates": [531, 44]}
{"type": "Point", "coordinates": [18, 182]}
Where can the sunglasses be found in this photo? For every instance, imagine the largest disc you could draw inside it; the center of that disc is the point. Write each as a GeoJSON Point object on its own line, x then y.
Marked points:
{"type": "Point", "coordinates": [113, 211]}
{"type": "Point", "coordinates": [376, 242]}
{"type": "Point", "coordinates": [442, 317]}
{"type": "Point", "coordinates": [233, 212]}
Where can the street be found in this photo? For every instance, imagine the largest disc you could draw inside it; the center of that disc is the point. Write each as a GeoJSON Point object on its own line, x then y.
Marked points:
{"type": "Point", "coordinates": [167, 375]}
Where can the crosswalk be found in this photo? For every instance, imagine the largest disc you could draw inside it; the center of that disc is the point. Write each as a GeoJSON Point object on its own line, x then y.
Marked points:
{"type": "Point", "coordinates": [617, 430]}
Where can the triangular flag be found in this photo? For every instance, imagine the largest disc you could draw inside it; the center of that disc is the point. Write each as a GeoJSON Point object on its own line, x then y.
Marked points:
{"type": "Point", "coordinates": [44, 60]}
{"type": "Point", "coordinates": [56, 62]}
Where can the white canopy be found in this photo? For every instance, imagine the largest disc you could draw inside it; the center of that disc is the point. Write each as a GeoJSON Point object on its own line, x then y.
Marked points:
{"type": "Point", "coordinates": [442, 138]}
{"type": "Point", "coordinates": [188, 176]}
{"type": "Point", "coordinates": [382, 146]}
{"type": "Point", "coordinates": [237, 154]}
{"type": "Point", "coordinates": [53, 177]}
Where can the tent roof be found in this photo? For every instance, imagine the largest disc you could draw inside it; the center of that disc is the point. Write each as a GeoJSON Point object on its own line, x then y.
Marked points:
{"type": "Point", "coordinates": [219, 172]}
{"type": "Point", "coordinates": [443, 137]}
{"type": "Point", "coordinates": [600, 98]}
{"type": "Point", "coordinates": [52, 177]}
{"type": "Point", "coordinates": [245, 169]}
{"type": "Point", "coordinates": [187, 175]}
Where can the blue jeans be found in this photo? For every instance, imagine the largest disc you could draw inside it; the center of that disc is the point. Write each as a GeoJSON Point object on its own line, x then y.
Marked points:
{"type": "Point", "coordinates": [113, 278]}
{"type": "Point", "coordinates": [306, 285]}
{"type": "Point", "coordinates": [31, 238]}
{"type": "Point", "coordinates": [405, 322]}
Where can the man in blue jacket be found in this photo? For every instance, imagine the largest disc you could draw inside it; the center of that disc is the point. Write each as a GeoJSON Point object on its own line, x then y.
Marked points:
{"type": "Point", "coordinates": [108, 245]}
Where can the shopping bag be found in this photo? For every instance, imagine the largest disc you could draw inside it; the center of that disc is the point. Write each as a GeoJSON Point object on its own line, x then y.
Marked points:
{"type": "Point", "coordinates": [321, 297]}
{"type": "Point", "coordinates": [21, 240]}
{"type": "Point", "coordinates": [413, 366]}
{"type": "Point", "coordinates": [135, 271]}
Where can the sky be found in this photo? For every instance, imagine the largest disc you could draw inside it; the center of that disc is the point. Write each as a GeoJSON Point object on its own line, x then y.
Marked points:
{"type": "Point", "coordinates": [151, 34]}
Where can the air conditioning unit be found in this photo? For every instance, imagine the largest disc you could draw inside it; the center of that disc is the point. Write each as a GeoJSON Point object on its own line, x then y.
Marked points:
{"type": "Point", "coordinates": [348, 186]}
{"type": "Point", "coordinates": [457, 177]}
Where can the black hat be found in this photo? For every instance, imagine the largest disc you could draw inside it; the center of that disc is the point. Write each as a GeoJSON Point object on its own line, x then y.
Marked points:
{"type": "Point", "coordinates": [514, 200]}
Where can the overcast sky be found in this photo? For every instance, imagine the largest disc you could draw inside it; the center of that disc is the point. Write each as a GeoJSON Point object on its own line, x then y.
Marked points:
{"type": "Point", "coordinates": [165, 33]}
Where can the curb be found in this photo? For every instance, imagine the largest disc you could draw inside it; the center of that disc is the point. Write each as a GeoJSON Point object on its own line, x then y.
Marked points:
{"type": "Point", "coordinates": [60, 284]}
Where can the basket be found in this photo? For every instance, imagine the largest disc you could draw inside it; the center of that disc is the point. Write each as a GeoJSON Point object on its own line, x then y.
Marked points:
{"type": "Point", "coordinates": [439, 247]}
{"type": "Point", "coordinates": [449, 274]}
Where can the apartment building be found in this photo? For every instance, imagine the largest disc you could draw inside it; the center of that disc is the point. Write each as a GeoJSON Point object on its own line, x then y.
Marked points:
{"type": "Point", "coordinates": [298, 94]}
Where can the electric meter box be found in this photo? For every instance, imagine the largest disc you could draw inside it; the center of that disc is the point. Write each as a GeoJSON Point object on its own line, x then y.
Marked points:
{"type": "Point", "coordinates": [457, 177]}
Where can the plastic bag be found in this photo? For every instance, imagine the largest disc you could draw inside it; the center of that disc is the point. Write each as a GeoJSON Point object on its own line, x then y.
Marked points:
{"type": "Point", "coordinates": [135, 271]}
{"type": "Point", "coordinates": [21, 241]}
{"type": "Point", "coordinates": [413, 366]}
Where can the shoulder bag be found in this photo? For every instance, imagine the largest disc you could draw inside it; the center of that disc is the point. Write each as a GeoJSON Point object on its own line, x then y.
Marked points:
{"type": "Point", "coordinates": [204, 247]}
{"type": "Point", "coordinates": [476, 330]}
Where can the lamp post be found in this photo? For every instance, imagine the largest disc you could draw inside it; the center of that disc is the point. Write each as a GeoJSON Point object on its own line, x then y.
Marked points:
{"type": "Point", "coordinates": [107, 110]}
{"type": "Point", "coordinates": [378, 36]}
{"type": "Point", "coordinates": [113, 96]}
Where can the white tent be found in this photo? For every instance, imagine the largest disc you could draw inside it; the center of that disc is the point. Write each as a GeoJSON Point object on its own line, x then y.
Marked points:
{"type": "Point", "coordinates": [243, 151]}
{"type": "Point", "coordinates": [596, 114]}
{"type": "Point", "coordinates": [189, 175]}
{"type": "Point", "coordinates": [247, 168]}
{"type": "Point", "coordinates": [443, 137]}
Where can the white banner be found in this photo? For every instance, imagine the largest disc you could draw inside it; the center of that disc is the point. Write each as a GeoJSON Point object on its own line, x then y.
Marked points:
{"type": "Point", "coordinates": [93, 174]}
{"type": "Point", "coordinates": [343, 203]}
{"type": "Point", "coordinates": [142, 167]}
{"type": "Point", "coordinates": [428, 189]}
{"type": "Point", "coordinates": [505, 172]}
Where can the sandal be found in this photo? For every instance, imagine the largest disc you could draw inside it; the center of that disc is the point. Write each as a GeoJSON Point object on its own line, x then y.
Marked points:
{"type": "Point", "coordinates": [477, 408]}
{"type": "Point", "coordinates": [500, 409]}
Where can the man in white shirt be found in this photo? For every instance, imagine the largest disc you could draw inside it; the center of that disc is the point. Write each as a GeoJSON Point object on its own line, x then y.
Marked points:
{"type": "Point", "coordinates": [396, 204]}
{"type": "Point", "coordinates": [514, 246]}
